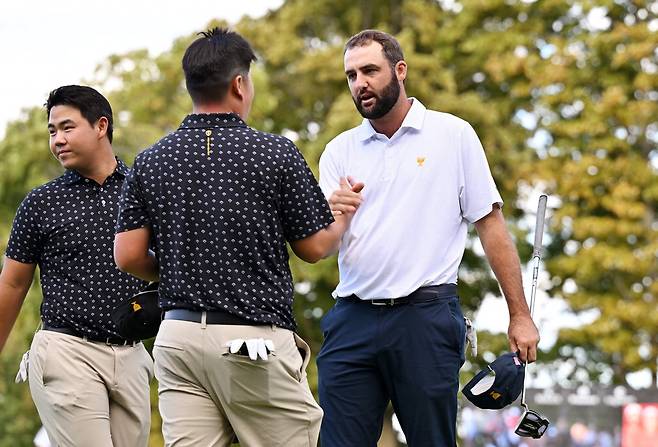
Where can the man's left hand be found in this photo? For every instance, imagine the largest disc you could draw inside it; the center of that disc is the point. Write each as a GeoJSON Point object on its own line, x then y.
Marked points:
{"type": "Point", "coordinates": [523, 337]}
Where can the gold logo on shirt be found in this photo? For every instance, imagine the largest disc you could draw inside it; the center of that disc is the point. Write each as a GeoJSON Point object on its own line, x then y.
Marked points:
{"type": "Point", "coordinates": [136, 306]}
{"type": "Point", "coordinates": [420, 161]}
{"type": "Point", "coordinates": [208, 134]}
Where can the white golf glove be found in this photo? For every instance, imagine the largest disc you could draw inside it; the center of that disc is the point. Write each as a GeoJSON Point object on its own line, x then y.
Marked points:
{"type": "Point", "coordinates": [471, 336]}
{"type": "Point", "coordinates": [256, 347]}
{"type": "Point", "coordinates": [23, 368]}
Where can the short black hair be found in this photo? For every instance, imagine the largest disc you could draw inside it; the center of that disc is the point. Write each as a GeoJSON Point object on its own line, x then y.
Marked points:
{"type": "Point", "coordinates": [212, 61]}
{"type": "Point", "coordinates": [390, 45]}
{"type": "Point", "coordinates": [91, 104]}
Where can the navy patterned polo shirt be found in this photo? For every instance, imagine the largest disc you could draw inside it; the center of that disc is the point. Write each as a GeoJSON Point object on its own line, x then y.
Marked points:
{"type": "Point", "coordinates": [223, 199]}
{"type": "Point", "coordinates": [67, 227]}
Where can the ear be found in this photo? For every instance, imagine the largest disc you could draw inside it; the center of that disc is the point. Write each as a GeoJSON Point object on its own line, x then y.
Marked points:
{"type": "Point", "coordinates": [101, 127]}
{"type": "Point", "coordinates": [238, 86]}
{"type": "Point", "coordinates": [401, 70]}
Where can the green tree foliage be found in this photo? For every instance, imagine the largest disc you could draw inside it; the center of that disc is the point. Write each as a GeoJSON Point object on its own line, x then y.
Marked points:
{"type": "Point", "coordinates": [598, 130]}
{"type": "Point", "coordinates": [26, 163]}
{"type": "Point", "coordinates": [563, 95]}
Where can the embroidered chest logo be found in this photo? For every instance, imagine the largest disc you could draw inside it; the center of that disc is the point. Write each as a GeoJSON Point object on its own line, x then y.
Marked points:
{"type": "Point", "coordinates": [420, 161]}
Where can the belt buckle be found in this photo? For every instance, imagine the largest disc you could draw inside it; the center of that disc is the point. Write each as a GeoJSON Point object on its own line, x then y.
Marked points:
{"type": "Point", "coordinates": [384, 302]}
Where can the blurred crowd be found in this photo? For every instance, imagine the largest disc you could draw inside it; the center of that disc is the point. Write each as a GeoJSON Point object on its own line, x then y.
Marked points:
{"type": "Point", "coordinates": [640, 425]}
{"type": "Point", "coordinates": [496, 429]}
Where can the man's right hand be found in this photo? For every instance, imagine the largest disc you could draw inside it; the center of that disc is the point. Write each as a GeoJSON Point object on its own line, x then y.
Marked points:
{"type": "Point", "coordinates": [347, 199]}
{"type": "Point", "coordinates": [343, 203]}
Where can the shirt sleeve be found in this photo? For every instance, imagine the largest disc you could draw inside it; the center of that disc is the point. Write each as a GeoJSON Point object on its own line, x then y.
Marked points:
{"type": "Point", "coordinates": [26, 239]}
{"type": "Point", "coordinates": [478, 192]}
{"type": "Point", "coordinates": [133, 213]}
{"type": "Point", "coordinates": [304, 209]}
{"type": "Point", "coordinates": [330, 173]}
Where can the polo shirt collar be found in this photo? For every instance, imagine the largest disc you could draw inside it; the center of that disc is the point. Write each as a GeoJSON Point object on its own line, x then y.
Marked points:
{"type": "Point", "coordinates": [205, 120]}
{"type": "Point", "coordinates": [71, 176]}
{"type": "Point", "coordinates": [122, 168]}
{"type": "Point", "coordinates": [414, 119]}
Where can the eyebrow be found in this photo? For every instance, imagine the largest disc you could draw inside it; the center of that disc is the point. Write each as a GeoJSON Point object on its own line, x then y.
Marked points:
{"type": "Point", "coordinates": [364, 67]}
{"type": "Point", "coordinates": [64, 122]}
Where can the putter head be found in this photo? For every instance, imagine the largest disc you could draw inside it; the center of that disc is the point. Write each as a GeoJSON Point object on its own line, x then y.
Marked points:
{"type": "Point", "coordinates": [531, 425]}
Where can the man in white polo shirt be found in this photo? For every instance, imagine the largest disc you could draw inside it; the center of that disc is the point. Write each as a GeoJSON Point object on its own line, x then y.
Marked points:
{"type": "Point", "coordinates": [397, 331]}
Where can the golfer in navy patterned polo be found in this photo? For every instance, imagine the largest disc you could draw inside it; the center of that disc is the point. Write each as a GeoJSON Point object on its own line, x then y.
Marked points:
{"type": "Point", "coordinates": [91, 387]}
{"type": "Point", "coordinates": [220, 200]}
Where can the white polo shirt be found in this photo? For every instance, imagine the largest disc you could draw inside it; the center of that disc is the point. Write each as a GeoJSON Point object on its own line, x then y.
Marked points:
{"type": "Point", "coordinates": [422, 188]}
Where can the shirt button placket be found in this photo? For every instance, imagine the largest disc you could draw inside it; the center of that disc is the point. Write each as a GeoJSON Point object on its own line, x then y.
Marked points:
{"type": "Point", "coordinates": [101, 195]}
{"type": "Point", "coordinates": [389, 161]}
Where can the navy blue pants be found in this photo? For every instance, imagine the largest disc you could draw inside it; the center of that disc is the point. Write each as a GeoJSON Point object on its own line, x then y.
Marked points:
{"type": "Point", "coordinates": [409, 354]}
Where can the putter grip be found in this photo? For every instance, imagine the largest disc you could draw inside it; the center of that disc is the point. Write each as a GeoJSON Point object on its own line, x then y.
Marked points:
{"type": "Point", "coordinates": [539, 226]}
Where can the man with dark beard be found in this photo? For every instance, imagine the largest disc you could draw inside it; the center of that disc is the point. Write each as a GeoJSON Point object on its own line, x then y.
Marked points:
{"type": "Point", "coordinates": [397, 332]}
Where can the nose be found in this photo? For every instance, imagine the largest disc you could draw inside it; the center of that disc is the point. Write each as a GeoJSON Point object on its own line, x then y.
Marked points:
{"type": "Point", "coordinates": [58, 138]}
{"type": "Point", "coordinates": [359, 85]}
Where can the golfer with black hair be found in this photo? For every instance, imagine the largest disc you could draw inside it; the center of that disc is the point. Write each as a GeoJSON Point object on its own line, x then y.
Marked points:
{"type": "Point", "coordinates": [221, 200]}
{"type": "Point", "coordinates": [90, 385]}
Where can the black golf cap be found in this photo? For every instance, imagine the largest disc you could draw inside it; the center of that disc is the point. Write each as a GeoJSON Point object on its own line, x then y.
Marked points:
{"type": "Point", "coordinates": [498, 385]}
{"type": "Point", "coordinates": [138, 318]}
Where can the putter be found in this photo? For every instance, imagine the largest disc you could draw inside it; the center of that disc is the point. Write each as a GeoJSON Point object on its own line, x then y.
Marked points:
{"type": "Point", "coordinates": [532, 424]}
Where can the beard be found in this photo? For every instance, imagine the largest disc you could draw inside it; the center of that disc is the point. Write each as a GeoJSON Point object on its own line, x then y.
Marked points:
{"type": "Point", "coordinates": [384, 102]}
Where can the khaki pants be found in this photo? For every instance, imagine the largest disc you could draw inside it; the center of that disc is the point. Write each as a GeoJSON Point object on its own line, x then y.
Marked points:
{"type": "Point", "coordinates": [208, 394]}
{"type": "Point", "coordinates": [91, 394]}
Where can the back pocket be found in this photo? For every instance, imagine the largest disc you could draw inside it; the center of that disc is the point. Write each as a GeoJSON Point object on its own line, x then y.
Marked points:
{"type": "Point", "coordinates": [246, 380]}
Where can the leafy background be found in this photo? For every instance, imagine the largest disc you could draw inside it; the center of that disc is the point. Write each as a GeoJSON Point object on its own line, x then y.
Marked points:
{"type": "Point", "coordinates": [563, 94]}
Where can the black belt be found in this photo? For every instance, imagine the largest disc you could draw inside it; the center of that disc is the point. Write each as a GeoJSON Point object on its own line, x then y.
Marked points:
{"type": "Point", "coordinates": [422, 295]}
{"type": "Point", "coordinates": [107, 340]}
{"type": "Point", "coordinates": [212, 317]}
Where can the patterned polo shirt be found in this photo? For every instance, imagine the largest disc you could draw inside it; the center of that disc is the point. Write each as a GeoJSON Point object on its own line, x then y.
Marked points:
{"type": "Point", "coordinates": [67, 227]}
{"type": "Point", "coordinates": [222, 200]}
